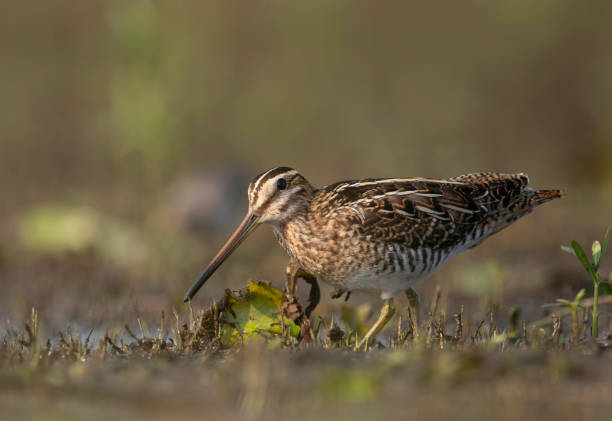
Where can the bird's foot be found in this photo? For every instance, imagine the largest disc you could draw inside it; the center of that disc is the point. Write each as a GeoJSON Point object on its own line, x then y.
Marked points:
{"type": "Point", "coordinates": [291, 308]}
{"type": "Point", "coordinates": [294, 271]}
{"type": "Point", "coordinates": [386, 313]}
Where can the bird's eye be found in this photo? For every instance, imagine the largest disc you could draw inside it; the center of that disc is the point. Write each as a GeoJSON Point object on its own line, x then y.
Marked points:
{"type": "Point", "coordinates": [281, 184]}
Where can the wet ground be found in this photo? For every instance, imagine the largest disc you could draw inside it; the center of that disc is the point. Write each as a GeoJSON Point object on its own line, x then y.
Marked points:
{"type": "Point", "coordinates": [493, 366]}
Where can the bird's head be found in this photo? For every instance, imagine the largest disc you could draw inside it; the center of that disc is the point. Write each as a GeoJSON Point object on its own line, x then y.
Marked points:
{"type": "Point", "coordinates": [278, 195]}
{"type": "Point", "coordinates": [275, 197]}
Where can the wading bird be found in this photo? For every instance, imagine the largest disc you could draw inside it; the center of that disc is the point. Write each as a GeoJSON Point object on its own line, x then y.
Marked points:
{"type": "Point", "coordinates": [380, 235]}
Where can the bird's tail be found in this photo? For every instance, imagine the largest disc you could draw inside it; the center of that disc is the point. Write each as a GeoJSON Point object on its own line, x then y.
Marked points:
{"type": "Point", "coordinates": [543, 196]}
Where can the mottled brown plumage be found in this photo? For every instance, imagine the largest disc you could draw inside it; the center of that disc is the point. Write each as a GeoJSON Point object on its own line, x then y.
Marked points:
{"type": "Point", "coordinates": [381, 234]}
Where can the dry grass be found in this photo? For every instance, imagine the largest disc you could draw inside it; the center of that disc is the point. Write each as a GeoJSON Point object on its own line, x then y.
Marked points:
{"type": "Point", "coordinates": [180, 369]}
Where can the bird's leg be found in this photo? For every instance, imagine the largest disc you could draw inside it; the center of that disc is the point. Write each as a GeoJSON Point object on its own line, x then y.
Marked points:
{"type": "Point", "coordinates": [292, 274]}
{"type": "Point", "coordinates": [385, 315]}
{"type": "Point", "coordinates": [294, 271]}
{"type": "Point", "coordinates": [415, 308]}
{"type": "Point", "coordinates": [291, 308]}
{"type": "Point", "coordinates": [314, 296]}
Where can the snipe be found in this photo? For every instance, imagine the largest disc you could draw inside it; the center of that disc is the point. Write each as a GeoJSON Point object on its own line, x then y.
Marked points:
{"type": "Point", "coordinates": [381, 235]}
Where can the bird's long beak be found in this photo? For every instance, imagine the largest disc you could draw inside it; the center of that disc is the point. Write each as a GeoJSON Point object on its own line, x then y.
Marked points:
{"type": "Point", "coordinates": [248, 224]}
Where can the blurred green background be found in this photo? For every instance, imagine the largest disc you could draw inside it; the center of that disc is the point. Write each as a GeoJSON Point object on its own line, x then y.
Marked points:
{"type": "Point", "coordinates": [129, 131]}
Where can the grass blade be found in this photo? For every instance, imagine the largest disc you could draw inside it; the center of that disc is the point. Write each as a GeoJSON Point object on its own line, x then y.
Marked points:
{"type": "Point", "coordinates": [580, 295]}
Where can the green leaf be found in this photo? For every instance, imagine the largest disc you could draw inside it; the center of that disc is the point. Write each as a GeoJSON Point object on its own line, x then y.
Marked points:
{"type": "Point", "coordinates": [606, 287]}
{"type": "Point", "coordinates": [568, 249]}
{"type": "Point", "coordinates": [581, 255]}
{"type": "Point", "coordinates": [255, 314]}
{"type": "Point", "coordinates": [605, 244]}
{"type": "Point", "coordinates": [596, 252]}
{"type": "Point", "coordinates": [580, 295]}
{"type": "Point", "coordinates": [560, 303]}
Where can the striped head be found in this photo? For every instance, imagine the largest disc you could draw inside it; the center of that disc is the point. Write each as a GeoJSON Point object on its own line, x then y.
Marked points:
{"type": "Point", "coordinates": [275, 197]}
{"type": "Point", "coordinates": [278, 194]}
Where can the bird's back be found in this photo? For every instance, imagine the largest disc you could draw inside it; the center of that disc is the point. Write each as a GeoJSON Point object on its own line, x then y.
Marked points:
{"type": "Point", "coordinates": [436, 214]}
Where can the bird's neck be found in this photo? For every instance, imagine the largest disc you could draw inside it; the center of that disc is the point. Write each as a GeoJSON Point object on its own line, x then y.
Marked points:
{"type": "Point", "coordinates": [293, 233]}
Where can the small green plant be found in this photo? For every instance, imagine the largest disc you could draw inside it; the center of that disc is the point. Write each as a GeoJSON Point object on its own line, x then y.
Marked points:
{"type": "Point", "coordinates": [573, 307]}
{"type": "Point", "coordinates": [592, 267]}
{"type": "Point", "coordinates": [514, 315]}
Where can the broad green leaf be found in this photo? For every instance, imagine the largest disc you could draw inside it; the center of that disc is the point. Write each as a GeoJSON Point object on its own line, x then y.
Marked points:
{"type": "Point", "coordinates": [596, 252]}
{"type": "Point", "coordinates": [606, 287]}
{"type": "Point", "coordinates": [568, 249]}
{"type": "Point", "coordinates": [581, 255]}
{"type": "Point", "coordinates": [256, 314]}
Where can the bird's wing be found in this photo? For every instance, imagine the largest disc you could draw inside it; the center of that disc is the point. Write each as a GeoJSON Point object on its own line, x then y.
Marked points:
{"type": "Point", "coordinates": [421, 212]}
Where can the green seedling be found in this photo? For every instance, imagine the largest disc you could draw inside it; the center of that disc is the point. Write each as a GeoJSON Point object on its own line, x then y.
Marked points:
{"type": "Point", "coordinates": [573, 307]}
{"type": "Point", "coordinates": [592, 267]}
{"type": "Point", "coordinates": [514, 316]}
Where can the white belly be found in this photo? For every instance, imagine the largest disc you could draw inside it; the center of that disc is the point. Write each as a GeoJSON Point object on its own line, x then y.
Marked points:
{"type": "Point", "coordinates": [393, 280]}
{"type": "Point", "coordinates": [388, 285]}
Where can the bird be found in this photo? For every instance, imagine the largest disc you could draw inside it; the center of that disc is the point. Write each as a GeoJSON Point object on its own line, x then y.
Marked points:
{"type": "Point", "coordinates": [380, 235]}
